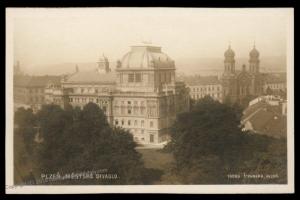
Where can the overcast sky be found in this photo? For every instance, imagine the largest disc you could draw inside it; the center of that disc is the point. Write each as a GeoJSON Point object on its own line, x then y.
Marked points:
{"type": "Point", "coordinates": [50, 36]}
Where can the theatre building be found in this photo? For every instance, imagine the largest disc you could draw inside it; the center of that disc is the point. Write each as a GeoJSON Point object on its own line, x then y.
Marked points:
{"type": "Point", "coordinates": [140, 95]}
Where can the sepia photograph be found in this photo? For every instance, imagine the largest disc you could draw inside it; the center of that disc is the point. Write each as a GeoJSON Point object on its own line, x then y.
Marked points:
{"type": "Point", "coordinates": [149, 100]}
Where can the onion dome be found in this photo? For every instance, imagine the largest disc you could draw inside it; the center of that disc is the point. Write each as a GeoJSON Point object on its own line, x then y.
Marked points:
{"type": "Point", "coordinates": [254, 52]}
{"type": "Point", "coordinates": [229, 52]}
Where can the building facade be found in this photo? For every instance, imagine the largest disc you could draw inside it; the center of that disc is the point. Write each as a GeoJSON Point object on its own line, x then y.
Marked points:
{"type": "Point", "coordinates": [29, 91]}
{"type": "Point", "coordinates": [201, 86]}
{"type": "Point", "coordinates": [275, 83]}
{"type": "Point", "coordinates": [239, 84]}
{"type": "Point", "coordinates": [141, 95]}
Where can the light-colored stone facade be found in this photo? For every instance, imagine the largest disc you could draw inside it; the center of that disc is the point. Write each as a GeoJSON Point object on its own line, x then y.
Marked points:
{"type": "Point", "coordinates": [205, 86]}
{"type": "Point", "coordinates": [141, 95]}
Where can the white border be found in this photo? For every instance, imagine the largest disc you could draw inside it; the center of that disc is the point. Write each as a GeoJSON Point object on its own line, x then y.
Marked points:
{"type": "Point", "coordinates": [195, 189]}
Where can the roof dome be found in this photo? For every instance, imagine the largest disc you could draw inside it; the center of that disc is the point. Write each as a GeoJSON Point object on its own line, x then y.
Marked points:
{"type": "Point", "coordinates": [229, 52]}
{"type": "Point", "coordinates": [146, 56]}
{"type": "Point", "coordinates": [254, 52]}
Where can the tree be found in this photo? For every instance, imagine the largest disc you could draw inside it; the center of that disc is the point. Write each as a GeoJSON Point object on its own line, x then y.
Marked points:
{"type": "Point", "coordinates": [208, 144]}
{"type": "Point", "coordinates": [24, 117]}
{"type": "Point", "coordinates": [25, 125]}
{"type": "Point", "coordinates": [209, 132]}
{"type": "Point", "coordinates": [82, 140]}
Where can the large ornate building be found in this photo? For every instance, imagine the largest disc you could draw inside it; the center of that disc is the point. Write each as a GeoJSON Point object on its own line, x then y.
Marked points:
{"type": "Point", "coordinates": [239, 84]}
{"type": "Point", "coordinates": [141, 95]}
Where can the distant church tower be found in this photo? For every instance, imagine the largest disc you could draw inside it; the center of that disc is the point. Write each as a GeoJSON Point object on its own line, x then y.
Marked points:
{"type": "Point", "coordinates": [229, 76]}
{"type": "Point", "coordinates": [229, 61]}
{"type": "Point", "coordinates": [257, 81]}
{"type": "Point", "coordinates": [254, 61]}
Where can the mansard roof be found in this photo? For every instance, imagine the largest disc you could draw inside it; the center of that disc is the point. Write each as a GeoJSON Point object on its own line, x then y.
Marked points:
{"type": "Point", "coordinates": [92, 77]}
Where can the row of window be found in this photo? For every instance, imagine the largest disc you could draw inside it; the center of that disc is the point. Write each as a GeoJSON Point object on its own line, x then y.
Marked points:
{"type": "Point", "coordinates": [84, 100]}
{"type": "Point", "coordinates": [199, 96]}
{"type": "Point", "coordinates": [276, 86]}
{"type": "Point", "coordinates": [129, 110]}
{"type": "Point", "coordinates": [163, 77]}
{"type": "Point", "coordinates": [135, 103]}
{"type": "Point", "coordinates": [135, 123]}
{"type": "Point", "coordinates": [91, 90]}
{"type": "Point", "coordinates": [218, 88]}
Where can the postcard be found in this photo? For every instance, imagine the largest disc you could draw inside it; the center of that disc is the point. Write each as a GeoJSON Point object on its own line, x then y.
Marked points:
{"type": "Point", "coordinates": [149, 100]}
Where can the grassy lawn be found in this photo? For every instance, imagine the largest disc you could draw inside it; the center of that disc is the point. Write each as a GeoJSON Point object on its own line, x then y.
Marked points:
{"type": "Point", "coordinates": [156, 159]}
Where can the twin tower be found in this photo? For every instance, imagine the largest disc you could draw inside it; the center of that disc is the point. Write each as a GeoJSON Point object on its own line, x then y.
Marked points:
{"type": "Point", "coordinates": [229, 62]}
{"type": "Point", "coordinates": [238, 84]}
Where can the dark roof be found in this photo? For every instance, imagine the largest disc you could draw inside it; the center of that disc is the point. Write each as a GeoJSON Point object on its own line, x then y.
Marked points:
{"type": "Point", "coordinates": [35, 81]}
{"type": "Point", "coordinates": [202, 80]}
{"type": "Point", "coordinates": [266, 119]}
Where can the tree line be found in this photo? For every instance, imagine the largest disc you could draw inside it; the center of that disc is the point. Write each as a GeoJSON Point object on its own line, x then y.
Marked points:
{"type": "Point", "coordinates": [207, 143]}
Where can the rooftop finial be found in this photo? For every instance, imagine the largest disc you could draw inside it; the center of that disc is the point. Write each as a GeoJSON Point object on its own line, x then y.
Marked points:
{"type": "Point", "coordinates": [229, 44]}
{"type": "Point", "coordinates": [254, 44]}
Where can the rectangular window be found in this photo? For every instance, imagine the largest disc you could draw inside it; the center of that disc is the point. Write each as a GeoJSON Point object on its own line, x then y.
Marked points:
{"type": "Point", "coordinates": [151, 138]}
{"type": "Point", "coordinates": [130, 78]}
{"type": "Point", "coordinates": [116, 122]}
{"type": "Point", "coordinates": [129, 122]}
{"type": "Point", "coordinates": [151, 124]}
{"type": "Point", "coordinates": [129, 111]}
{"type": "Point", "coordinates": [138, 77]}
